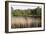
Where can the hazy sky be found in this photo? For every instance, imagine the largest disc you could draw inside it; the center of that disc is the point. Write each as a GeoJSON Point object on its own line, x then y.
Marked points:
{"type": "Point", "coordinates": [24, 6]}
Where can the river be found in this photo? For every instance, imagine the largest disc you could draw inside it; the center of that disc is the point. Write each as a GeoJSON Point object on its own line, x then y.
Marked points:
{"type": "Point", "coordinates": [25, 22]}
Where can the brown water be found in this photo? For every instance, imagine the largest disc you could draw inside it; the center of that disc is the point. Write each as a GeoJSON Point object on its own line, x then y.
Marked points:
{"type": "Point", "coordinates": [25, 22]}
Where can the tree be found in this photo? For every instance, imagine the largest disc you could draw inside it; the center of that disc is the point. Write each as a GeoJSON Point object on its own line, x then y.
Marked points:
{"type": "Point", "coordinates": [27, 12]}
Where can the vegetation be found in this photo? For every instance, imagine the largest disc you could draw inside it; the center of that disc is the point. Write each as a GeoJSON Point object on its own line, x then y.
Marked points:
{"type": "Point", "coordinates": [27, 12]}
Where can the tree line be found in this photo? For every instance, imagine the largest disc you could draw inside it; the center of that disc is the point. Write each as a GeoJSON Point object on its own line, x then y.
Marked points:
{"type": "Point", "coordinates": [27, 12]}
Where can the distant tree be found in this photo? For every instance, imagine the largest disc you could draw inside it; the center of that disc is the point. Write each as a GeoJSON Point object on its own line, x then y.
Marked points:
{"type": "Point", "coordinates": [38, 11]}
{"type": "Point", "coordinates": [27, 12]}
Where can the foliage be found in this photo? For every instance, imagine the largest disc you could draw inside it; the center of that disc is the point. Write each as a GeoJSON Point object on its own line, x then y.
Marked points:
{"type": "Point", "coordinates": [27, 12]}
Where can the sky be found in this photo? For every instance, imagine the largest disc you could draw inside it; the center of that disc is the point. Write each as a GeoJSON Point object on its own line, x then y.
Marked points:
{"type": "Point", "coordinates": [24, 6]}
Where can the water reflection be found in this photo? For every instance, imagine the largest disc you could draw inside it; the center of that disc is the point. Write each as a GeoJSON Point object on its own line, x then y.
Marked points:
{"type": "Point", "coordinates": [26, 22]}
